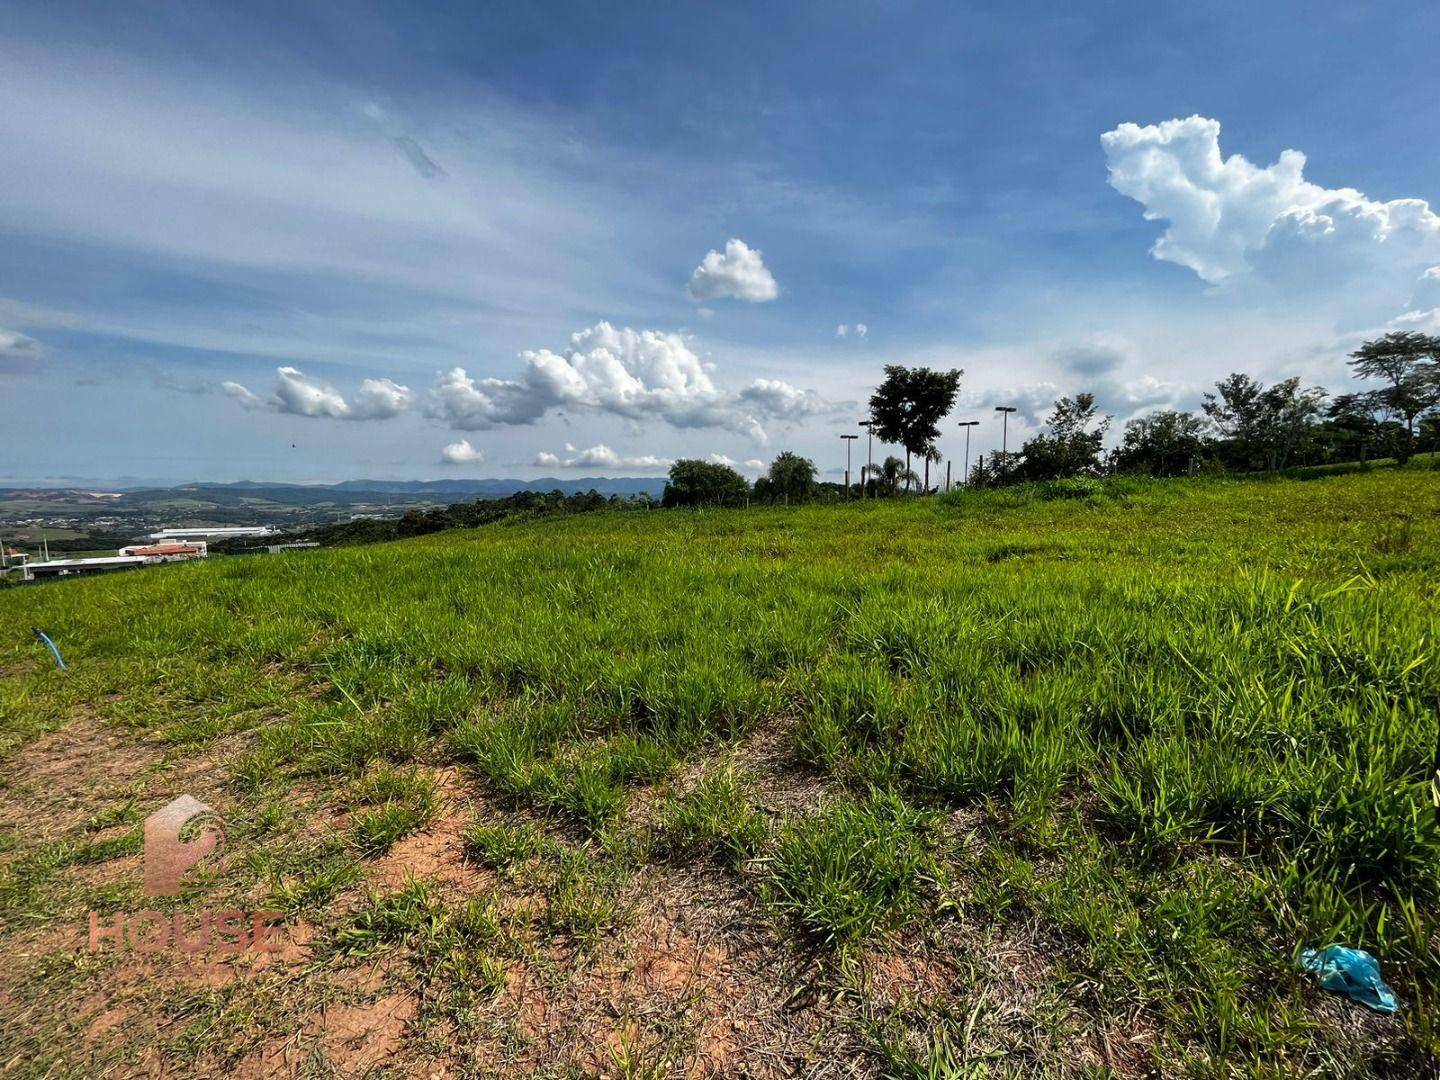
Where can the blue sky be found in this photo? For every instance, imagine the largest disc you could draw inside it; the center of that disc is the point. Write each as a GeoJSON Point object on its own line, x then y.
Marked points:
{"type": "Point", "coordinates": [299, 242]}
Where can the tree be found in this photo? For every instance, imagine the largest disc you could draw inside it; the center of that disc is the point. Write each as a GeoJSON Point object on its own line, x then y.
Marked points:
{"type": "Point", "coordinates": [704, 483]}
{"type": "Point", "coordinates": [1290, 415]}
{"type": "Point", "coordinates": [1263, 427]}
{"type": "Point", "coordinates": [791, 477]}
{"type": "Point", "coordinates": [1072, 445]}
{"type": "Point", "coordinates": [1236, 410]}
{"type": "Point", "coordinates": [891, 473]}
{"type": "Point", "coordinates": [1410, 363]}
{"type": "Point", "coordinates": [1165, 443]}
{"type": "Point", "coordinates": [907, 409]}
{"type": "Point", "coordinates": [1351, 430]}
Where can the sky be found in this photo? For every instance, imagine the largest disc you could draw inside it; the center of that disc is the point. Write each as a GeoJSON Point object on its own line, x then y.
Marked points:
{"type": "Point", "coordinates": [297, 242]}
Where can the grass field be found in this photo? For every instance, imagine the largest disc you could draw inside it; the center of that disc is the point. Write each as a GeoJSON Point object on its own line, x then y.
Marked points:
{"type": "Point", "coordinates": [989, 785]}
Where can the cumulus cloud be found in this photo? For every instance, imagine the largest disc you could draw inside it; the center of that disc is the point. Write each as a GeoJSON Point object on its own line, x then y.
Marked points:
{"type": "Point", "coordinates": [468, 404]}
{"type": "Point", "coordinates": [739, 274]}
{"type": "Point", "coordinates": [845, 329]}
{"type": "Point", "coordinates": [634, 374]}
{"type": "Point", "coordinates": [782, 401]}
{"type": "Point", "coordinates": [1228, 219]}
{"type": "Point", "coordinates": [17, 350]}
{"type": "Point", "coordinates": [721, 459]}
{"type": "Point", "coordinates": [601, 456]}
{"type": "Point", "coordinates": [461, 453]}
{"type": "Point", "coordinates": [304, 395]}
{"type": "Point", "coordinates": [755, 463]}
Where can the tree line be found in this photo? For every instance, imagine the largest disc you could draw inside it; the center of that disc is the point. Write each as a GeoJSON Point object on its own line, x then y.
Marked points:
{"type": "Point", "coordinates": [1243, 426]}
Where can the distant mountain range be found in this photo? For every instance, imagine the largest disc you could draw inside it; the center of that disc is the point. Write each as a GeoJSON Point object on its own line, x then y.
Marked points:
{"type": "Point", "coordinates": [126, 511]}
{"type": "Point", "coordinates": [484, 488]}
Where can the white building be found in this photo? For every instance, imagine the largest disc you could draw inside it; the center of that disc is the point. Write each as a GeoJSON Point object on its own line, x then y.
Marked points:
{"type": "Point", "coordinates": [208, 533]}
{"type": "Point", "coordinates": [67, 567]}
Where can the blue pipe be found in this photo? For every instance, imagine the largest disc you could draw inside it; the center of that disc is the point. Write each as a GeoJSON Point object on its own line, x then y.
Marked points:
{"type": "Point", "coordinates": [46, 639]}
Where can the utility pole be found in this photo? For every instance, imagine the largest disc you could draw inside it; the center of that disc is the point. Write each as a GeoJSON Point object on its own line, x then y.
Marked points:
{"type": "Point", "coordinates": [848, 440]}
{"type": "Point", "coordinates": [869, 426]}
{"type": "Point", "coordinates": [1005, 411]}
{"type": "Point", "coordinates": [948, 463]}
{"type": "Point", "coordinates": [967, 425]}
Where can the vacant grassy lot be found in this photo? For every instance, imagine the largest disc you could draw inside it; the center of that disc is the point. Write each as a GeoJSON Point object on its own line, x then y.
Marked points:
{"type": "Point", "coordinates": [997, 785]}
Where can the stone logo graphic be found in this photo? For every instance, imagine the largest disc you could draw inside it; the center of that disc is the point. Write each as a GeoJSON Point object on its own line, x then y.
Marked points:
{"type": "Point", "coordinates": [178, 838]}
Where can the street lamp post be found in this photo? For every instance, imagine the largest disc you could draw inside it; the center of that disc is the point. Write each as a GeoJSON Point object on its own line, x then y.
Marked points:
{"type": "Point", "coordinates": [848, 440]}
{"type": "Point", "coordinates": [869, 426]}
{"type": "Point", "coordinates": [1005, 411]}
{"type": "Point", "coordinates": [967, 425]}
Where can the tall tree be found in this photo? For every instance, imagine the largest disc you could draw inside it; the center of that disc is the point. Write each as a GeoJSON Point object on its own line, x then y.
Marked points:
{"type": "Point", "coordinates": [704, 483]}
{"type": "Point", "coordinates": [1262, 427]}
{"type": "Point", "coordinates": [1072, 445]}
{"type": "Point", "coordinates": [1409, 363]}
{"type": "Point", "coordinates": [908, 406]}
{"type": "Point", "coordinates": [1164, 443]}
{"type": "Point", "coordinates": [1290, 415]}
{"type": "Point", "coordinates": [1237, 410]}
{"type": "Point", "coordinates": [791, 477]}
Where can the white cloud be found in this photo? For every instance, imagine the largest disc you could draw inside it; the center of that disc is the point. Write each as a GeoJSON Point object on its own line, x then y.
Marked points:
{"type": "Point", "coordinates": [755, 463]}
{"type": "Point", "coordinates": [842, 330]}
{"type": "Point", "coordinates": [1228, 219]}
{"type": "Point", "coordinates": [304, 395]}
{"type": "Point", "coordinates": [635, 374]}
{"type": "Point", "coordinates": [845, 330]}
{"type": "Point", "coordinates": [721, 459]}
{"type": "Point", "coordinates": [242, 395]}
{"type": "Point", "coordinates": [740, 274]}
{"type": "Point", "coordinates": [461, 453]}
{"type": "Point", "coordinates": [779, 399]}
{"type": "Point", "coordinates": [17, 350]}
{"type": "Point", "coordinates": [468, 404]}
{"type": "Point", "coordinates": [601, 456]}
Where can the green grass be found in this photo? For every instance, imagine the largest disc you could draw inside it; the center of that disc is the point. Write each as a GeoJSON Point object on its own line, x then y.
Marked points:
{"type": "Point", "coordinates": [714, 818]}
{"type": "Point", "coordinates": [852, 871]}
{"type": "Point", "coordinates": [1186, 727]}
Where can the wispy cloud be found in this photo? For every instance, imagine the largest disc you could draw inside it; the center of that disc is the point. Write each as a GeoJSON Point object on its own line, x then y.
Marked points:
{"type": "Point", "coordinates": [19, 352]}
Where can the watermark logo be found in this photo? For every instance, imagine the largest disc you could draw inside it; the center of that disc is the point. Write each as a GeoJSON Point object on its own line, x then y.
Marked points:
{"type": "Point", "coordinates": [183, 838]}
{"type": "Point", "coordinates": [178, 837]}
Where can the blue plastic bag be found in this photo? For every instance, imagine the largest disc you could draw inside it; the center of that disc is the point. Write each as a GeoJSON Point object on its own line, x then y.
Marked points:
{"type": "Point", "coordinates": [1352, 972]}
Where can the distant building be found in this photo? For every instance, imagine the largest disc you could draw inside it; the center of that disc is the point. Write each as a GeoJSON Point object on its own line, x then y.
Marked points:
{"type": "Point", "coordinates": [275, 549]}
{"type": "Point", "coordinates": [207, 533]}
{"type": "Point", "coordinates": [173, 552]}
{"type": "Point", "coordinates": [128, 558]}
{"type": "Point", "coordinates": [68, 567]}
